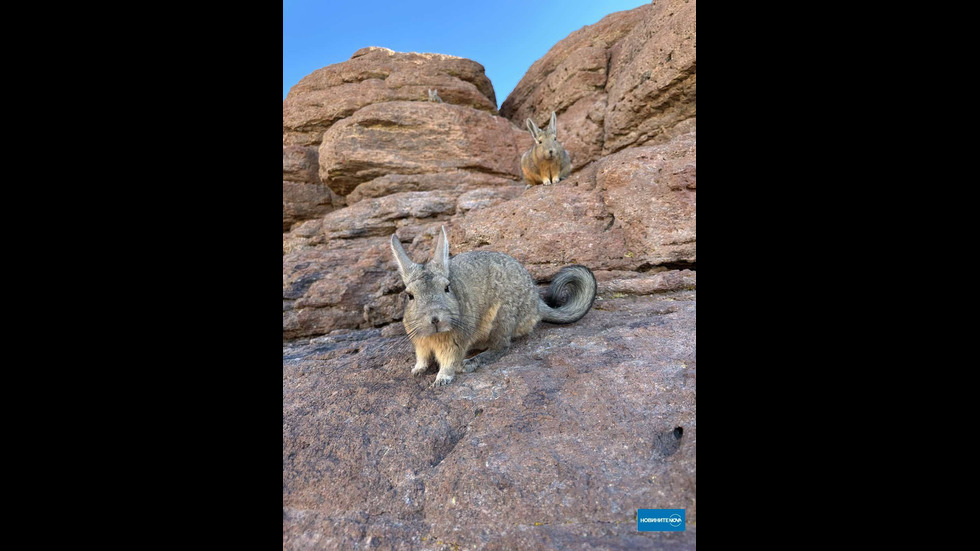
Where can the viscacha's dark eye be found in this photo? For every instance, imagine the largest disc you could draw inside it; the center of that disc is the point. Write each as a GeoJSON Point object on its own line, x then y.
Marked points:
{"type": "Point", "coordinates": [447, 288]}
{"type": "Point", "coordinates": [410, 296]}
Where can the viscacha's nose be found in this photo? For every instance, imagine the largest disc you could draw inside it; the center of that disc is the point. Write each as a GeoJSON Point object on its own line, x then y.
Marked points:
{"type": "Point", "coordinates": [435, 320]}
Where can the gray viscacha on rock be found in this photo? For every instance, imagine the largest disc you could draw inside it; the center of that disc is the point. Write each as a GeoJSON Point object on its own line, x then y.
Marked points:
{"type": "Point", "coordinates": [480, 300]}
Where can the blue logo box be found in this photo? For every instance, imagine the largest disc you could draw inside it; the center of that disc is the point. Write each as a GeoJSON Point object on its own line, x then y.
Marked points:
{"type": "Point", "coordinates": [661, 520]}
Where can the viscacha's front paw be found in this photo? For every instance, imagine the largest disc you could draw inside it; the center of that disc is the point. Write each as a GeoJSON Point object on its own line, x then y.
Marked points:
{"type": "Point", "coordinates": [419, 369]}
{"type": "Point", "coordinates": [442, 379]}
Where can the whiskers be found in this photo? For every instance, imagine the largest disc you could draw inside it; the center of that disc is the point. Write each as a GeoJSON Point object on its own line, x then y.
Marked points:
{"type": "Point", "coordinates": [397, 347]}
{"type": "Point", "coordinates": [458, 323]}
{"type": "Point", "coordinates": [414, 331]}
{"type": "Point", "coordinates": [464, 324]}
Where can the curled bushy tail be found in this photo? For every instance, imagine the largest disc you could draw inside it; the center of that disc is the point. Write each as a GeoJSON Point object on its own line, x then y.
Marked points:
{"type": "Point", "coordinates": [569, 296]}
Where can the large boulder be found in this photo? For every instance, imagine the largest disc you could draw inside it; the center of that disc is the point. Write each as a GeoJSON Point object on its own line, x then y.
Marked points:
{"type": "Point", "coordinates": [652, 86]}
{"type": "Point", "coordinates": [555, 446]}
{"type": "Point", "coordinates": [406, 137]}
{"type": "Point", "coordinates": [378, 75]}
{"type": "Point", "coordinates": [380, 126]}
{"type": "Point", "coordinates": [629, 79]}
{"type": "Point", "coordinates": [332, 287]}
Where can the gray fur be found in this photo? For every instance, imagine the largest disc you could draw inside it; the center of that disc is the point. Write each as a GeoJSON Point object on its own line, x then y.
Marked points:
{"type": "Point", "coordinates": [574, 290]}
{"type": "Point", "coordinates": [491, 299]}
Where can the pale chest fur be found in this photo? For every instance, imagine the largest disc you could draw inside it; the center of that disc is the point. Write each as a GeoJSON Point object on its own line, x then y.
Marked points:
{"type": "Point", "coordinates": [539, 167]}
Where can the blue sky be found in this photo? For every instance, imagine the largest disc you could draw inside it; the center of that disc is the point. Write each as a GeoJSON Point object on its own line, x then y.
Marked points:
{"type": "Point", "coordinates": [506, 37]}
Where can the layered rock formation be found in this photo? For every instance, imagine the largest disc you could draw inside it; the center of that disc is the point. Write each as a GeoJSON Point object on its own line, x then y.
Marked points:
{"type": "Point", "coordinates": [379, 75]}
{"type": "Point", "coordinates": [415, 138]}
{"type": "Point", "coordinates": [303, 194]}
{"type": "Point", "coordinates": [557, 444]}
{"type": "Point", "coordinates": [630, 79]}
{"type": "Point", "coordinates": [628, 217]}
{"type": "Point", "coordinates": [371, 121]}
{"type": "Point", "coordinates": [366, 154]}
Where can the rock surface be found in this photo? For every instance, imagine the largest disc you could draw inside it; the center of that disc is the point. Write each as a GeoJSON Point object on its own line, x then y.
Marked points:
{"type": "Point", "coordinates": [331, 287]}
{"type": "Point", "coordinates": [632, 210]}
{"type": "Point", "coordinates": [629, 79]}
{"type": "Point", "coordinates": [400, 132]}
{"type": "Point", "coordinates": [408, 137]}
{"type": "Point", "coordinates": [457, 180]}
{"type": "Point", "coordinates": [378, 75]}
{"type": "Point", "coordinates": [555, 446]}
{"type": "Point", "coordinates": [303, 194]}
{"type": "Point", "coordinates": [558, 443]}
